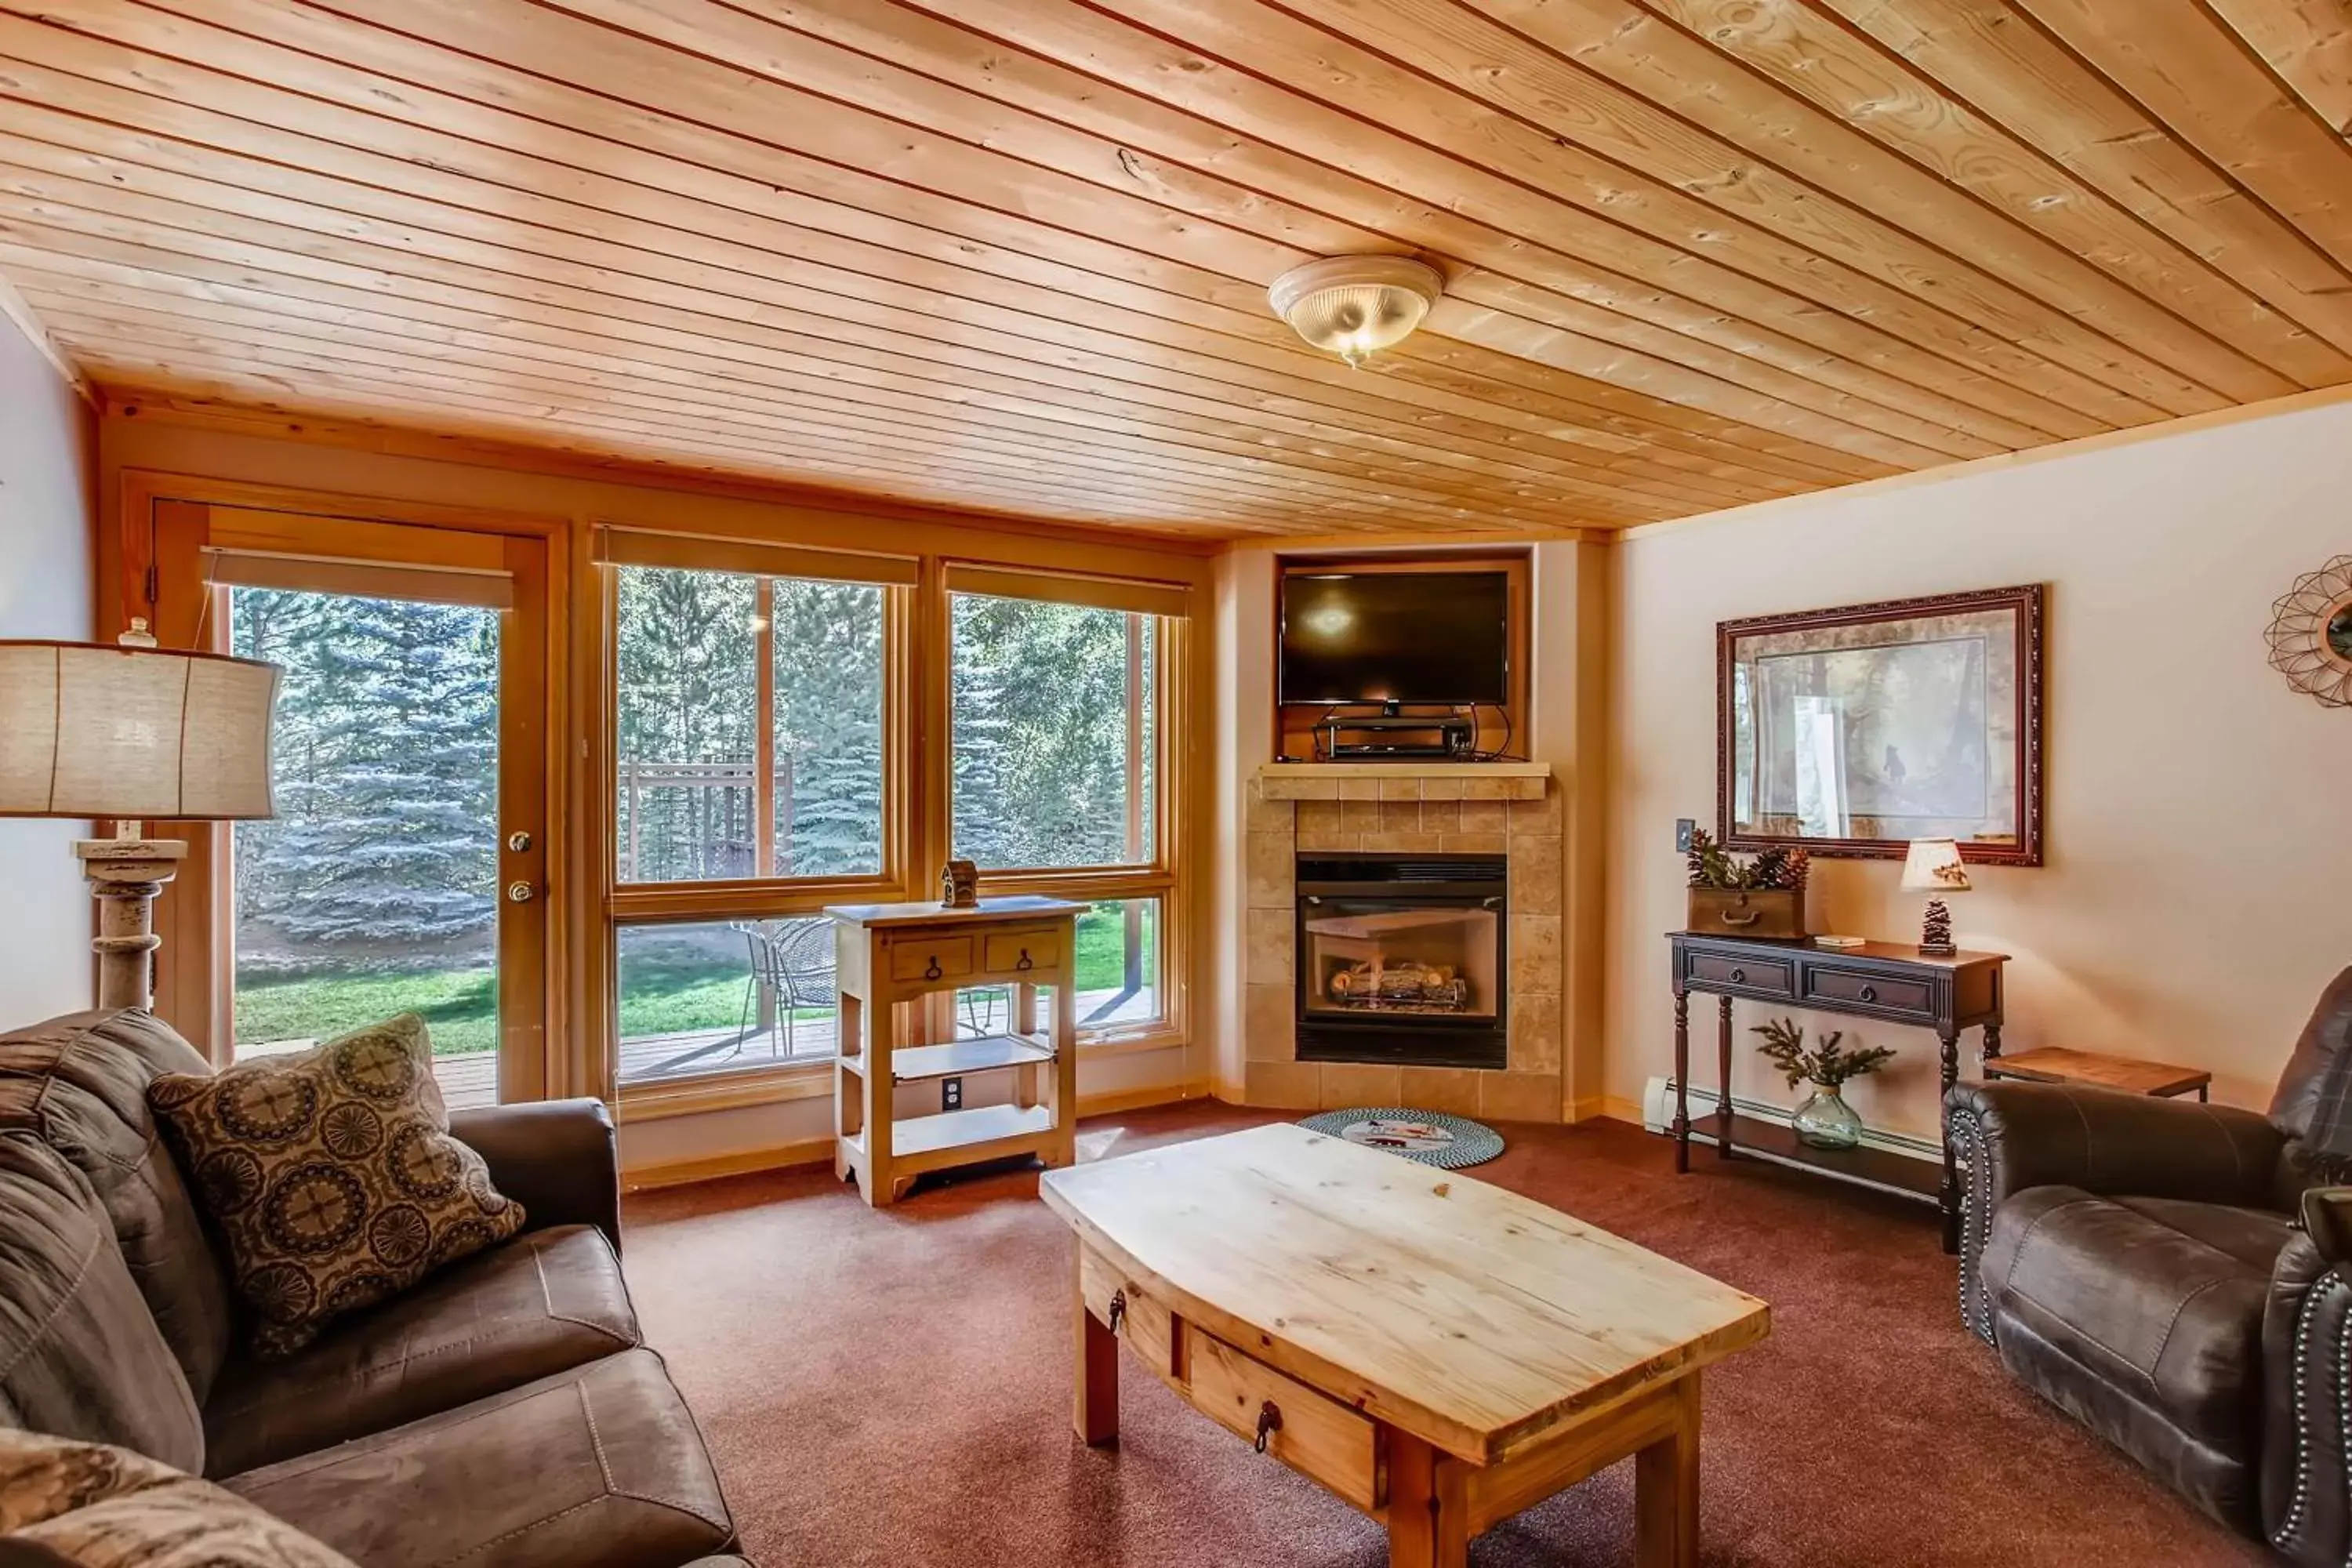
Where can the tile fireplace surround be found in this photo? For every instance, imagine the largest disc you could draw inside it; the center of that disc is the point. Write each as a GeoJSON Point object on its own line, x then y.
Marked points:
{"type": "Point", "coordinates": [1514, 809]}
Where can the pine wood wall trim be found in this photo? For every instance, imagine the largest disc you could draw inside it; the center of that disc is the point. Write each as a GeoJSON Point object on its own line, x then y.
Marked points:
{"type": "Point", "coordinates": [1009, 256]}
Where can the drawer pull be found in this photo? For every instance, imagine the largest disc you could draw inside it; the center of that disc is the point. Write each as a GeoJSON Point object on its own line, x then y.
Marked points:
{"type": "Point", "coordinates": [1868, 992]}
{"type": "Point", "coordinates": [1749, 918]}
{"type": "Point", "coordinates": [934, 971]}
{"type": "Point", "coordinates": [1026, 962]}
{"type": "Point", "coordinates": [1269, 1422]}
{"type": "Point", "coordinates": [1117, 1309]}
{"type": "Point", "coordinates": [1739, 978]}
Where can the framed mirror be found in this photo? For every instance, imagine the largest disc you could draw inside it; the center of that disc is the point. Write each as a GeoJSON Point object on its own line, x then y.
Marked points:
{"type": "Point", "coordinates": [1853, 731]}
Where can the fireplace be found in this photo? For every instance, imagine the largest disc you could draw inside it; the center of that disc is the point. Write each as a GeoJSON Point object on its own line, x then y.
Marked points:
{"type": "Point", "coordinates": [1402, 959]}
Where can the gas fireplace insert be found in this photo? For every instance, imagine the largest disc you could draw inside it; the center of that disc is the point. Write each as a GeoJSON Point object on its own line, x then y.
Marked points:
{"type": "Point", "coordinates": [1403, 959]}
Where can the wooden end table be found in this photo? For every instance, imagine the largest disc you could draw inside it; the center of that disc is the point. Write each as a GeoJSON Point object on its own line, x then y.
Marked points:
{"type": "Point", "coordinates": [1440, 1352]}
{"type": "Point", "coordinates": [2056, 1064]}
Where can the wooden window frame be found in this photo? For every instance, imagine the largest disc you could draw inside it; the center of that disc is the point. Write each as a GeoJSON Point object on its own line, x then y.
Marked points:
{"type": "Point", "coordinates": [917, 830]}
{"type": "Point", "coordinates": [1160, 878]}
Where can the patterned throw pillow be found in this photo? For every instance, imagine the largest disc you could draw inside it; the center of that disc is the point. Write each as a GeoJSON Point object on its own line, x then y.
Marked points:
{"type": "Point", "coordinates": [85, 1505]}
{"type": "Point", "coordinates": [333, 1177]}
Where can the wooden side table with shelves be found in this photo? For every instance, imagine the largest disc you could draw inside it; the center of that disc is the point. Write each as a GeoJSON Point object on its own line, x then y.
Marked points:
{"type": "Point", "coordinates": [889, 953]}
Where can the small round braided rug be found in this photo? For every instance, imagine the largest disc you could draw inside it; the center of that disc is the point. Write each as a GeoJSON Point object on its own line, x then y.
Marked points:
{"type": "Point", "coordinates": [1430, 1137]}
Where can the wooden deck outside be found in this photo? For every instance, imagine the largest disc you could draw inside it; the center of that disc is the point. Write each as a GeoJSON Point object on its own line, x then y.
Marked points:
{"type": "Point", "coordinates": [472, 1080]}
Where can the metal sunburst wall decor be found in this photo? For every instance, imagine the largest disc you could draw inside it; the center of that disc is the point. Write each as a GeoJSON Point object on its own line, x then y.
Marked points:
{"type": "Point", "coordinates": [2311, 634]}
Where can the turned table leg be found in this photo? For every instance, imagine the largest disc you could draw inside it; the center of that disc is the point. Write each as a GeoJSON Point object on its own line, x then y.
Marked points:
{"type": "Point", "coordinates": [1723, 1078]}
{"type": "Point", "coordinates": [1681, 1127]}
{"type": "Point", "coordinates": [1429, 1506]}
{"type": "Point", "coordinates": [1095, 1401]}
{"type": "Point", "coordinates": [1665, 1488]}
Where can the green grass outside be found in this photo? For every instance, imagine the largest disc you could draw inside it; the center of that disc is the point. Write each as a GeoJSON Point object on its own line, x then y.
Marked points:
{"type": "Point", "coordinates": [660, 993]}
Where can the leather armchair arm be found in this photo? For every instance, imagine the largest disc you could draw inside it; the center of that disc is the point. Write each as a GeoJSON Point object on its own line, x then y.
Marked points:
{"type": "Point", "coordinates": [558, 1158]}
{"type": "Point", "coordinates": [2012, 1136]}
{"type": "Point", "coordinates": [2306, 1414]}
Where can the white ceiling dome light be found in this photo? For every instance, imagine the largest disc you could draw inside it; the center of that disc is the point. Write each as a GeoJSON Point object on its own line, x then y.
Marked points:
{"type": "Point", "coordinates": [1356, 305]}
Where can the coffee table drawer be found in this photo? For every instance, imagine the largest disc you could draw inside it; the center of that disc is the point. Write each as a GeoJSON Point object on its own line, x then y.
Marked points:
{"type": "Point", "coordinates": [1317, 1435]}
{"type": "Point", "coordinates": [1761, 974]}
{"type": "Point", "coordinates": [934, 960]}
{"type": "Point", "coordinates": [1145, 1324]}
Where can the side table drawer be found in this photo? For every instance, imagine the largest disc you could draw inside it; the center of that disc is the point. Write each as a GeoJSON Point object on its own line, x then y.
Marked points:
{"type": "Point", "coordinates": [1319, 1437]}
{"type": "Point", "coordinates": [1020, 951]}
{"type": "Point", "coordinates": [1766, 975]}
{"type": "Point", "coordinates": [1870, 991]}
{"type": "Point", "coordinates": [937, 959]}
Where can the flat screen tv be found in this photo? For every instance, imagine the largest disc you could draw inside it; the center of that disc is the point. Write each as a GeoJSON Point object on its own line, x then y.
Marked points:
{"type": "Point", "coordinates": [1395, 636]}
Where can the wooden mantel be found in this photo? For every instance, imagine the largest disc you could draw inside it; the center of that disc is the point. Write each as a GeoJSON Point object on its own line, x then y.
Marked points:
{"type": "Point", "coordinates": [1438, 779]}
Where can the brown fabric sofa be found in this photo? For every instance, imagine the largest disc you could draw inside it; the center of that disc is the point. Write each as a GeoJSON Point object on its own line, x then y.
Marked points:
{"type": "Point", "coordinates": [505, 1413]}
{"type": "Point", "coordinates": [2174, 1276]}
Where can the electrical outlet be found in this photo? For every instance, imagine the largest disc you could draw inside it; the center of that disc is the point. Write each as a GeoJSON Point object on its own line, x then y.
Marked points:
{"type": "Point", "coordinates": [950, 1094]}
{"type": "Point", "coordinates": [1684, 827]}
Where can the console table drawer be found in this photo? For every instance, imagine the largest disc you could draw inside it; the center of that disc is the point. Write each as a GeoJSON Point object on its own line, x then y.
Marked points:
{"type": "Point", "coordinates": [1753, 974]}
{"type": "Point", "coordinates": [937, 959]}
{"type": "Point", "coordinates": [1318, 1436]}
{"type": "Point", "coordinates": [1023, 952]}
{"type": "Point", "coordinates": [1867, 990]}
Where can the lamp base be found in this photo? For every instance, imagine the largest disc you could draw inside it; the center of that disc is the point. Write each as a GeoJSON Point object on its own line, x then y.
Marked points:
{"type": "Point", "coordinates": [1936, 931]}
{"type": "Point", "coordinates": [125, 875]}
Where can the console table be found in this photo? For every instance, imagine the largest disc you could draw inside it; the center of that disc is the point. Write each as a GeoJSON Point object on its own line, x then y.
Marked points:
{"type": "Point", "coordinates": [891, 953]}
{"type": "Point", "coordinates": [1886, 981]}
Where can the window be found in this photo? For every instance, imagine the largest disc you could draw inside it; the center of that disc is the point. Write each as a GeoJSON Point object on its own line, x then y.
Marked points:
{"type": "Point", "coordinates": [723, 996]}
{"type": "Point", "coordinates": [1117, 978]}
{"type": "Point", "coordinates": [770, 759]}
{"type": "Point", "coordinates": [750, 726]}
{"type": "Point", "coordinates": [1054, 747]}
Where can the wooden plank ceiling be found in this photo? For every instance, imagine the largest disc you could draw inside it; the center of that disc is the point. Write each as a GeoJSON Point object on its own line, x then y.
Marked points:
{"type": "Point", "coordinates": [1013, 254]}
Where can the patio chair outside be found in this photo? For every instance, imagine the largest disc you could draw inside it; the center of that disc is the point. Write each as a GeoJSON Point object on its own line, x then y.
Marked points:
{"type": "Point", "coordinates": [791, 968]}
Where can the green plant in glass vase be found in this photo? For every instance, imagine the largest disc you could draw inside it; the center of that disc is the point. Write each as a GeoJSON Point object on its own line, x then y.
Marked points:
{"type": "Point", "coordinates": [1824, 1121]}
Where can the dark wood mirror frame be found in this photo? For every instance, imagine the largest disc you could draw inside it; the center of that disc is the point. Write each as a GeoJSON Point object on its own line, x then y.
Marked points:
{"type": "Point", "coordinates": [2025, 602]}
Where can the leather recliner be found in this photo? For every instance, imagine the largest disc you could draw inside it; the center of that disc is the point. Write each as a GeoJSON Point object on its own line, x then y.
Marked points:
{"type": "Point", "coordinates": [2177, 1277]}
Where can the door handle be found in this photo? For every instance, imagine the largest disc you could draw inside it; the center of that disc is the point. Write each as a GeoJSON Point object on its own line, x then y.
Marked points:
{"type": "Point", "coordinates": [1026, 962]}
{"type": "Point", "coordinates": [934, 970]}
{"type": "Point", "coordinates": [518, 842]}
{"type": "Point", "coordinates": [520, 892]}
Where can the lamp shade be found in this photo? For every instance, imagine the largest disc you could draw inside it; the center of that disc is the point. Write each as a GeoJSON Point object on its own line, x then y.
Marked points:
{"type": "Point", "coordinates": [1934, 866]}
{"type": "Point", "coordinates": [133, 733]}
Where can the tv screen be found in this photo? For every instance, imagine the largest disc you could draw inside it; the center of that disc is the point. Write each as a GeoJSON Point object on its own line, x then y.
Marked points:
{"type": "Point", "coordinates": [1395, 636]}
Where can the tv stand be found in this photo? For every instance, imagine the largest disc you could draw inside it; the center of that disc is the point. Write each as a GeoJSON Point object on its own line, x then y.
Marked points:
{"type": "Point", "coordinates": [1393, 734]}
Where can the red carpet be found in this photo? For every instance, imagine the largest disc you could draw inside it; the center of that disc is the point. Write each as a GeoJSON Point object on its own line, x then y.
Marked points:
{"type": "Point", "coordinates": [892, 1388]}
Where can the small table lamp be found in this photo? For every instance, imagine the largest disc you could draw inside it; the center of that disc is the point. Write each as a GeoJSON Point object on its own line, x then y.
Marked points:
{"type": "Point", "coordinates": [1934, 866]}
{"type": "Point", "coordinates": [131, 732]}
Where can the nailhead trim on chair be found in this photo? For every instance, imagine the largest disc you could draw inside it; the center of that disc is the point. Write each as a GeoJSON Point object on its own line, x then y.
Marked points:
{"type": "Point", "coordinates": [1976, 1198]}
{"type": "Point", "coordinates": [2293, 1521]}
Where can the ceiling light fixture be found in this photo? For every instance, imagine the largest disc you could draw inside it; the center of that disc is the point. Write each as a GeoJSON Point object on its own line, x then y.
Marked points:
{"type": "Point", "coordinates": [1356, 305]}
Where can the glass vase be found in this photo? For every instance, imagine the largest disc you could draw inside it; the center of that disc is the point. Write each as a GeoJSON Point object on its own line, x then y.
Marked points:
{"type": "Point", "coordinates": [1826, 1121]}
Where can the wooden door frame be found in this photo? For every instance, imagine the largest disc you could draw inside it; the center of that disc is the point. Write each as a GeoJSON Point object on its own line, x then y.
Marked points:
{"type": "Point", "coordinates": [193, 980]}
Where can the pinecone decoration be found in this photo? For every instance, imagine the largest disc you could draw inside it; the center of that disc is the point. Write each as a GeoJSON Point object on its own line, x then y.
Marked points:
{"type": "Point", "coordinates": [1935, 931]}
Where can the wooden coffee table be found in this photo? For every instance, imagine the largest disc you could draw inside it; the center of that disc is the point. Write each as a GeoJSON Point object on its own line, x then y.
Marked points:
{"type": "Point", "coordinates": [1440, 1352]}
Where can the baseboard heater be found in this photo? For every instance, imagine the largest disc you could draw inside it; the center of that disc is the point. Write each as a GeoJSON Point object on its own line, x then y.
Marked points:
{"type": "Point", "coordinates": [1658, 1115]}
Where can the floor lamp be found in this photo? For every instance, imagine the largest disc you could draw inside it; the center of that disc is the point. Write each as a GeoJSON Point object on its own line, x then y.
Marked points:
{"type": "Point", "coordinates": [132, 732]}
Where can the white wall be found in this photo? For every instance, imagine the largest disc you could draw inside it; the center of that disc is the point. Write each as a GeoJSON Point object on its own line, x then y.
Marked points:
{"type": "Point", "coordinates": [2198, 812]}
{"type": "Point", "coordinates": [47, 501]}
